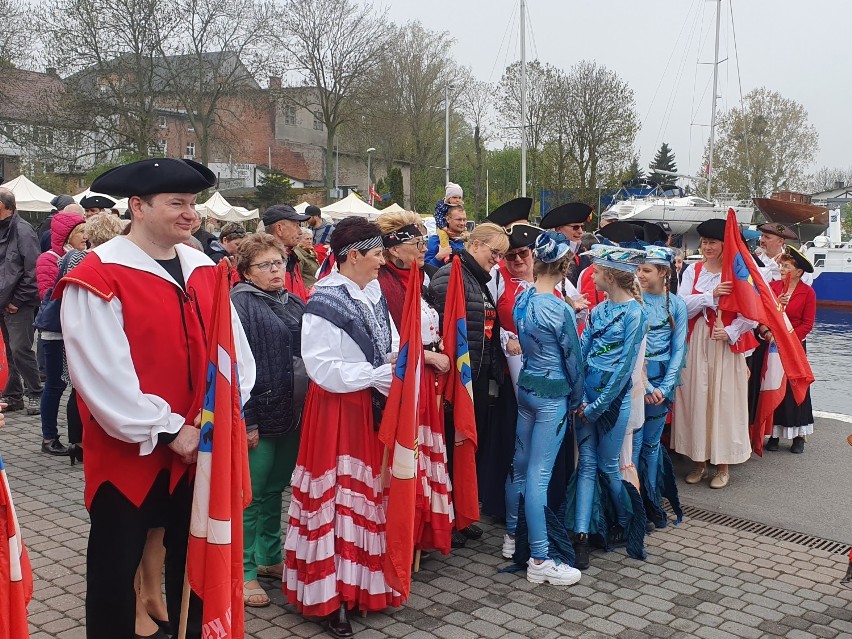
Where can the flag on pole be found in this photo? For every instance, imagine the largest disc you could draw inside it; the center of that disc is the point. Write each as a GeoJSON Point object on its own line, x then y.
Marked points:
{"type": "Point", "coordinates": [398, 432]}
{"type": "Point", "coordinates": [754, 300]}
{"type": "Point", "coordinates": [773, 387]}
{"type": "Point", "coordinates": [16, 575]}
{"type": "Point", "coordinates": [374, 195]}
{"type": "Point", "coordinates": [459, 392]}
{"type": "Point", "coordinates": [214, 563]}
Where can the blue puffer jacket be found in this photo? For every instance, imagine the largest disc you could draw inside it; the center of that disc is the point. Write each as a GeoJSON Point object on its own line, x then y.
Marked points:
{"type": "Point", "coordinates": [273, 325]}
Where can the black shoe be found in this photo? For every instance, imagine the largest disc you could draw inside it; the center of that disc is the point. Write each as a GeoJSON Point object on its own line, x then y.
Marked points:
{"type": "Point", "coordinates": [458, 540]}
{"type": "Point", "coordinates": [54, 447]}
{"type": "Point", "coordinates": [846, 582]}
{"type": "Point", "coordinates": [472, 532]}
{"type": "Point", "coordinates": [650, 527]}
{"type": "Point", "coordinates": [798, 445]}
{"type": "Point", "coordinates": [337, 624]}
{"type": "Point", "coordinates": [581, 551]}
{"type": "Point", "coordinates": [75, 452]}
{"type": "Point", "coordinates": [771, 444]}
{"type": "Point", "coordinates": [165, 626]}
{"type": "Point", "coordinates": [13, 404]}
{"type": "Point", "coordinates": [617, 536]}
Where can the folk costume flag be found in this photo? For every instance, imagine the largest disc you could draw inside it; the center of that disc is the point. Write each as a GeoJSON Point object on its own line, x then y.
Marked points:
{"type": "Point", "coordinates": [398, 432]}
{"type": "Point", "coordinates": [222, 485]}
{"type": "Point", "coordinates": [754, 300]}
{"type": "Point", "coordinates": [16, 575]}
{"type": "Point", "coordinates": [459, 392]}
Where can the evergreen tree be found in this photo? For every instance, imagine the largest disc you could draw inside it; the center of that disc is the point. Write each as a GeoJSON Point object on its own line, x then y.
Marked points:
{"type": "Point", "coordinates": [634, 171]}
{"type": "Point", "coordinates": [664, 160]}
{"type": "Point", "coordinates": [395, 186]}
{"type": "Point", "coordinates": [274, 188]}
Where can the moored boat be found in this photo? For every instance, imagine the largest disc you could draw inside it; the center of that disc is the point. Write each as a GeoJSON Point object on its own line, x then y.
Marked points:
{"type": "Point", "coordinates": [832, 260]}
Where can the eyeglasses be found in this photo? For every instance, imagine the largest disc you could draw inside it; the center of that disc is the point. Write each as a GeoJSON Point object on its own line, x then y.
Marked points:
{"type": "Point", "coordinates": [497, 255]}
{"type": "Point", "coordinates": [575, 227]}
{"type": "Point", "coordinates": [522, 254]}
{"type": "Point", "coordinates": [268, 266]}
{"type": "Point", "coordinates": [418, 244]}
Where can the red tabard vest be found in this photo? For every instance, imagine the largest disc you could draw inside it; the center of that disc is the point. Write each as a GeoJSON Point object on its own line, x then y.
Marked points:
{"type": "Point", "coordinates": [165, 328]}
{"type": "Point", "coordinates": [506, 302]}
{"type": "Point", "coordinates": [745, 343]}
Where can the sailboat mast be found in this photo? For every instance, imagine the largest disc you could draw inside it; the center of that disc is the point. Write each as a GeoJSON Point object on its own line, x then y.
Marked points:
{"type": "Point", "coordinates": [715, 98]}
{"type": "Point", "coordinates": [523, 99]}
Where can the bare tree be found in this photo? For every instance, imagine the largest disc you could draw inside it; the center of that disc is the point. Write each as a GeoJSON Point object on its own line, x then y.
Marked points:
{"type": "Point", "coordinates": [210, 54]}
{"type": "Point", "coordinates": [597, 117]}
{"type": "Point", "coordinates": [541, 84]}
{"type": "Point", "coordinates": [825, 179]}
{"type": "Point", "coordinates": [763, 146]}
{"type": "Point", "coordinates": [14, 36]}
{"type": "Point", "coordinates": [106, 48]}
{"type": "Point", "coordinates": [475, 103]}
{"type": "Point", "coordinates": [333, 45]}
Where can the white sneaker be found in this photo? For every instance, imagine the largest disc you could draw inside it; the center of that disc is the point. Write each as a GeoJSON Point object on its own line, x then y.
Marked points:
{"type": "Point", "coordinates": [550, 571]}
{"type": "Point", "coordinates": [508, 547]}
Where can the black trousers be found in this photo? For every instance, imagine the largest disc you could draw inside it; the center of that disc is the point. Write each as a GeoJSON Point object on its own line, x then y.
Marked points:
{"type": "Point", "coordinates": [75, 422]}
{"type": "Point", "coordinates": [116, 541]}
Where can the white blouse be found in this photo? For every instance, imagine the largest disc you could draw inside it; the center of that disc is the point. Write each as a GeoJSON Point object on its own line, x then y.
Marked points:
{"type": "Point", "coordinates": [332, 358]}
{"type": "Point", "coordinates": [699, 302]}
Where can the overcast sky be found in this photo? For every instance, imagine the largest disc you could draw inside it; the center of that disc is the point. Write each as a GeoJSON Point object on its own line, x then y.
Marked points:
{"type": "Point", "coordinates": [798, 48]}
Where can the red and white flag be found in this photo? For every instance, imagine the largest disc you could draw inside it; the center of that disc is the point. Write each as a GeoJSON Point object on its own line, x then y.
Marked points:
{"type": "Point", "coordinates": [16, 575]}
{"type": "Point", "coordinates": [214, 563]}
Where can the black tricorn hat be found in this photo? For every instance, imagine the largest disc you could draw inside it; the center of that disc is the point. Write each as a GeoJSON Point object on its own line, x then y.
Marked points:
{"type": "Point", "coordinates": [517, 210]}
{"type": "Point", "coordinates": [523, 235]}
{"type": "Point", "coordinates": [712, 229]}
{"type": "Point", "coordinates": [618, 232]}
{"type": "Point", "coordinates": [97, 202]}
{"type": "Point", "coordinates": [571, 213]}
{"type": "Point", "coordinates": [155, 175]}
{"type": "Point", "coordinates": [801, 261]}
{"type": "Point", "coordinates": [657, 232]}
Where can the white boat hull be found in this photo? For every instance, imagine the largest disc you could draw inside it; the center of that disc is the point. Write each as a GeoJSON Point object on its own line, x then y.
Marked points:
{"type": "Point", "coordinates": [681, 218]}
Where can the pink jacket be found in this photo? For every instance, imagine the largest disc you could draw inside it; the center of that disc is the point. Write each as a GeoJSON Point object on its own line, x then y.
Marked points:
{"type": "Point", "coordinates": [47, 264]}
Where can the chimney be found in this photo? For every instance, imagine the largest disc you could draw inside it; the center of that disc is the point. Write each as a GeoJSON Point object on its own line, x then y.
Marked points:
{"type": "Point", "coordinates": [839, 185]}
{"type": "Point", "coordinates": [275, 83]}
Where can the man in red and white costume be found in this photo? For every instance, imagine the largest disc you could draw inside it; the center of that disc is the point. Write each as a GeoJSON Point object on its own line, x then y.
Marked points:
{"type": "Point", "coordinates": [136, 311]}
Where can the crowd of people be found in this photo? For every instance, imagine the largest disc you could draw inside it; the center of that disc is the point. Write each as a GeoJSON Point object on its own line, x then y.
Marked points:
{"type": "Point", "coordinates": [582, 346]}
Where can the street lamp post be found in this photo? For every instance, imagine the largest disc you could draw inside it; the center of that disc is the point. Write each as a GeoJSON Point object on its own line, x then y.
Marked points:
{"type": "Point", "coordinates": [370, 151]}
{"type": "Point", "coordinates": [447, 134]}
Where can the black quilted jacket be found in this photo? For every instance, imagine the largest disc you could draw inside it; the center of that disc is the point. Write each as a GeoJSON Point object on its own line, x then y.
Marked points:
{"type": "Point", "coordinates": [273, 325]}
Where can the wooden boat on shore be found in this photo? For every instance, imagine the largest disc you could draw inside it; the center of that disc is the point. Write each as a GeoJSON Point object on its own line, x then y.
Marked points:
{"type": "Point", "coordinates": [788, 207]}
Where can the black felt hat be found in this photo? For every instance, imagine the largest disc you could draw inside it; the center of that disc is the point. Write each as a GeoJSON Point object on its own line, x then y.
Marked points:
{"type": "Point", "coordinates": [517, 210]}
{"type": "Point", "coordinates": [618, 232]}
{"type": "Point", "coordinates": [657, 232]}
{"type": "Point", "coordinates": [155, 175]}
{"type": "Point", "coordinates": [571, 213]}
{"type": "Point", "coordinates": [523, 235]}
{"type": "Point", "coordinates": [712, 229]}
{"type": "Point", "coordinates": [97, 202]}
{"type": "Point", "coordinates": [777, 229]}
{"type": "Point", "coordinates": [801, 261]}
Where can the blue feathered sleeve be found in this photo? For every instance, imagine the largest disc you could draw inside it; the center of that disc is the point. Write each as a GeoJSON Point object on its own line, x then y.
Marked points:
{"type": "Point", "coordinates": [635, 327]}
{"type": "Point", "coordinates": [569, 343]}
{"type": "Point", "coordinates": [677, 307]}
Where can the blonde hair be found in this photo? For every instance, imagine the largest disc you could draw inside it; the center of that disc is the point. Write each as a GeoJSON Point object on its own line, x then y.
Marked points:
{"type": "Point", "coordinates": [560, 268]}
{"type": "Point", "coordinates": [625, 280]}
{"type": "Point", "coordinates": [395, 220]}
{"type": "Point", "coordinates": [102, 227]}
{"type": "Point", "coordinates": [488, 233]}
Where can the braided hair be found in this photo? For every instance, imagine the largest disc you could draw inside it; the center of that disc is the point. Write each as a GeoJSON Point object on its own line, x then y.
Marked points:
{"type": "Point", "coordinates": [560, 268]}
{"type": "Point", "coordinates": [627, 281]}
{"type": "Point", "coordinates": [667, 276]}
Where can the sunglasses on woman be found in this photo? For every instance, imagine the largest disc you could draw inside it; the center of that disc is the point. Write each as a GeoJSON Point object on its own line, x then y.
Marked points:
{"type": "Point", "coordinates": [522, 254]}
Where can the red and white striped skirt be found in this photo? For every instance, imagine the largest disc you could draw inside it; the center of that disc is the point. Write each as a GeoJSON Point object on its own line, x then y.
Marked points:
{"type": "Point", "coordinates": [335, 540]}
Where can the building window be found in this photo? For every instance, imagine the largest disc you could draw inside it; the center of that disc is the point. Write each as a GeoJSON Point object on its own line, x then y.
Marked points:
{"type": "Point", "coordinates": [190, 149]}
{"type": "Point", "coordinates": [161, 121]}
{"type": "Point", "coordinates": [290, 115]}
{"type": "Point", "coordinates": [317, 120]}
{"type": "Point", "coordinates": [163, 147]}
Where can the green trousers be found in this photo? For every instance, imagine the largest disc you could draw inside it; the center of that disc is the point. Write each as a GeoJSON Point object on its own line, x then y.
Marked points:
{"type": "Point", "coordinates": [271, 466]}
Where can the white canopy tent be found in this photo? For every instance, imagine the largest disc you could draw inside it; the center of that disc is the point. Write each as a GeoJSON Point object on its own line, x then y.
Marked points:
{"type": "Point", "coordinates": [29, 196]}
{"type": "Point", "coordinates": [393, 208]}
{"type": "Point", "coordinates": [218, 207]}
{"type": "Point", "coordinates": [350, 206]}
{"type": "Point", "coordinates": [120, 205]}
{"type": "Point", "coordinates": [300, 208]}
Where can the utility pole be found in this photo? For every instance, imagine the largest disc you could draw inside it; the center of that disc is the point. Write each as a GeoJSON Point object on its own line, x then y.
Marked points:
{"type": "Point", "coordinates": [446, 134]}
{"type": "Point", "coordinates": [715, 98]}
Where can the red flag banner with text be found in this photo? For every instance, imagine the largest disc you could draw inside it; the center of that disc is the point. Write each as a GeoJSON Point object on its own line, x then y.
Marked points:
{"type": "Point", "coordinates": [214, 562]}
{"type": "Point", "coordinates": [16, 575]}
{"type": "Point", "coordinates": [752, 298]}
{"type": "Point", "coordinates": [398, 433]}
{"type": "Point", "coordinates": [459, 392]}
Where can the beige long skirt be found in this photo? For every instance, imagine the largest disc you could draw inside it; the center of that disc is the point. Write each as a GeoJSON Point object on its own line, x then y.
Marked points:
{"type": "Point", "coordinates": [710, 417]}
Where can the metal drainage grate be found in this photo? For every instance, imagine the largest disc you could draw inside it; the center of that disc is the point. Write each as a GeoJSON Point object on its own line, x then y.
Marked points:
{"type": "Point", "coordinates": [810, 541]}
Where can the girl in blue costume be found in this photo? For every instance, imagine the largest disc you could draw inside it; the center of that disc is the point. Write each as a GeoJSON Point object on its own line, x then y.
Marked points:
{"type": "Point", "coordinates": [665, 356]}
{"type": "Point", "coordinates": [550, 387]}
{"type": "Point", "coordinates": [604, 504]}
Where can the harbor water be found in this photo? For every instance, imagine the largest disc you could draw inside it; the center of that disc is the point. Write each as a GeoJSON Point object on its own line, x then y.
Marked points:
{"type": "Point", "coordinates": [830, 355]}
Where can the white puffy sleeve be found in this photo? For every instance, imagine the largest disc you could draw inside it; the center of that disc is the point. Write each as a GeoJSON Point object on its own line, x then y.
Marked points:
{"type": "Point", "coordinates": [335, 362]}
{"type": "Point", "coordinates": [103, 373]}
{"type": "Point", "coordinates": [695, 302]}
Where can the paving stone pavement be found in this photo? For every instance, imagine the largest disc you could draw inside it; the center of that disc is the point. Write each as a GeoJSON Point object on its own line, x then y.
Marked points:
{"type": "Point", "coordinates": [700, 580]}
